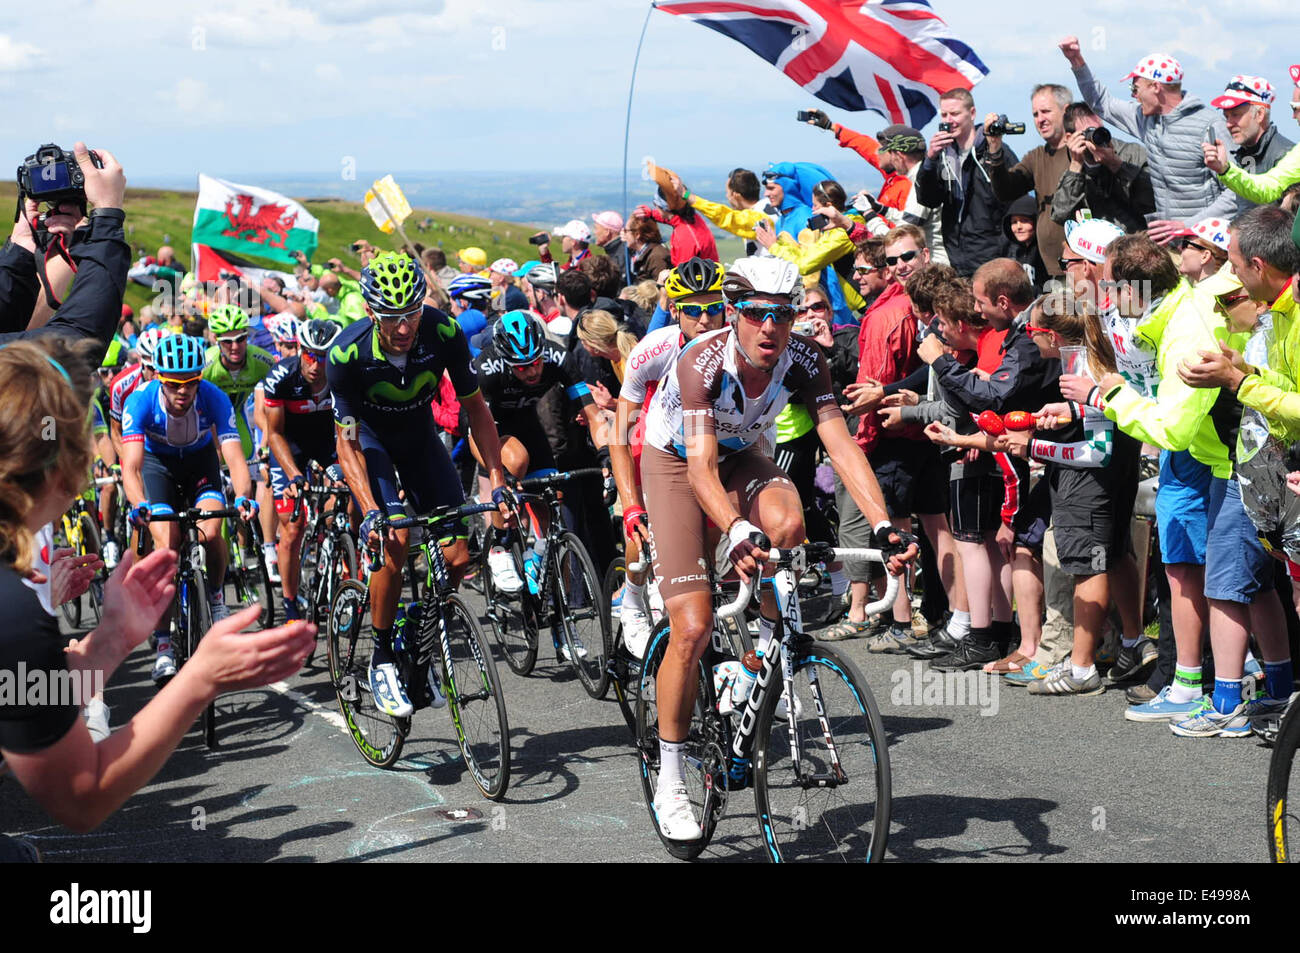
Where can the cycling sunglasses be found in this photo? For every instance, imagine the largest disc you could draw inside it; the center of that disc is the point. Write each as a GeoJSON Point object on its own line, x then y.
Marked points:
{"type": "Point", "coordinates": [179, 381]}
{"type": "Point", "coordinates": [406, 317]}
{"type": "Point", "coordinates": [760, 314]}
{"type": "Point", "coordinates": [892, 260]}
{"type": "Point", "coordinates": [233, 338]}
{"type": "Point", "coordinates": [309, 354]}
{"type": "Point", "coordinates": [695, 310]}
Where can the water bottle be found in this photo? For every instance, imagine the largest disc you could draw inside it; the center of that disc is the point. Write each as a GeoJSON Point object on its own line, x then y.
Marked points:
{"type": "Point", "coordinates": [724, 677]}
{"type": "Point", "coordinates": [747, 677]}
{"type": "Point", "coordinates": [532, 570]}
{"type": "Point", "coordinates": [399, 629]}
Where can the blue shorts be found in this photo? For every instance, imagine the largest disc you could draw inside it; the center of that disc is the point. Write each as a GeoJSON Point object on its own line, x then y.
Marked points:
{"type": "Point", "coordinates": [1237, 569]}
{"type": "Point", "coordinates": [428, 477]}
{"type": "Point", "coordinates": [1183, 507]}
{"type": "Point", "coordinates": [182, 480]}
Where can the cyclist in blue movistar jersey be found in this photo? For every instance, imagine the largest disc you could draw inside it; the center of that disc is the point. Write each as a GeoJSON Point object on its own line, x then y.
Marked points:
{"type": "Point", "coordinates": [169, 462]}
{"type": "Point", "coordinates": [383, 374]}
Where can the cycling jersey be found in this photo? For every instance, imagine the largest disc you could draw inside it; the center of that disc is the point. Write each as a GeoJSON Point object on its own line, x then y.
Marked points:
{"type": "Point", "coordinates": [368, 386]}
{"type": "Point", "coordinates": [99, 410]}
{"type": "Point", "coordinates": [121, 387]}
{"type": "Point", "coordinates": [506, 393]}
{"type": "Point", "coordinates": [1134, 355]}
{"type": "Point", "coordinates": [705, 387]}
{"type": "Point", "coordinates": [239, 385]}
{"type": "Point", "coordinates": [145, 419]}
{"type": "Point", "coordinates": [308, 417]}
{"type": "Point", "coordinates": [649, 361]}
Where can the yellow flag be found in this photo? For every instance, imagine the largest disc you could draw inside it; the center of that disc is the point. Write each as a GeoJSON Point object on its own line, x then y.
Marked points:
{"type": "Point", "coordinates": [387, 205]}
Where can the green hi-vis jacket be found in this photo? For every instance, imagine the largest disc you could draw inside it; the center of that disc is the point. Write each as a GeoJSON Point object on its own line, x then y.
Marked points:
{"type": "Point", "coordinates": [1272, 390]}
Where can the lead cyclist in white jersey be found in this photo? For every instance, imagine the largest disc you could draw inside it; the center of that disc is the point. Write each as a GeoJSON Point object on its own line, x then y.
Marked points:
{"type": "Point", "coordinates": [701, 464]}
{"type": "Point", "coordinates": [694, 291]}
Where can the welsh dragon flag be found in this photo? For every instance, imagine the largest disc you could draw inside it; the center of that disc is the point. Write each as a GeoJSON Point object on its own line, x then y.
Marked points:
{"type": "Point", "coordinates": [251, 221]}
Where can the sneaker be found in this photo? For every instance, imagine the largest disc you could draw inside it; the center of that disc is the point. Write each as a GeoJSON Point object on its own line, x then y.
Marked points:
{"type": "Point", "coordinates": [219, 610]}
{"type": "Point", "coordinates": [920, 627]}
{"type": "Point", "coordinates": [1161, 708]}
{"type": "Point", "coordinates": [96, 715]}
{"type": "Point", "coordinates": [1209, 722]}
{"type": "Point", "coordinates": [939, 643]}
{"type": "Point", "coordinates": [675, 815]}
{"type": "Point", "coordinates": [272, 564]}
{"type": "Point", "coordinates": [636, 630]}
{"type": "Point", "coordinates": [1265, 714]}
{"type": "Point", "coordinates": [164, 666]}
{"type": "Point", "coordinates": [111, 555]}
{"type": "Point", "coordinates": [968, 655]}
{"type": "Point", "coordinates": [1061, 681]}
{"type": "Point", "coordinates": [843, 630]}
{"type": "Point", "coordinates": [1139, 694]}
{"type": "Point", "coordinates": [581, 649]}
{"type": "Point", "coordinates": [505, 577]}
{"type": "Point", "coordinates": [436, 697]}
{"type": "Point", "coordinates": [893, 641]}
{"type": "Point", "coordinates": [386, 688]}
{"type": "Point", "coordinates": [1133, 663]}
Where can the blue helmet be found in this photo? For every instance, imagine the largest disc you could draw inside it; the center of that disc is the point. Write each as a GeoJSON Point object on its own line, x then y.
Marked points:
{"type": "Point", "coordinates": [180, 355]}
{"type": "Point", "coordinates": [518, 337]}
{"type": "Point", "coordinates": [473, 288]}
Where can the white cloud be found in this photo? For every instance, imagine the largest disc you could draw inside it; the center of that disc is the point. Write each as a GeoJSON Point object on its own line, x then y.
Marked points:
{"type": "Point", "coordinates": [15, 55]}
{"type": "Point", "coordinates": [190, 98]}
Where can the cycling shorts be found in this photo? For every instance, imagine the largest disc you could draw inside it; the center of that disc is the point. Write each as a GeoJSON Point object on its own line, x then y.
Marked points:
{"type": "Point", "coordinates": [181, 481]}
{"type": "Point", "coordinates": [678, 552]}
{"type": "Point", "coordinates": [428, 477]}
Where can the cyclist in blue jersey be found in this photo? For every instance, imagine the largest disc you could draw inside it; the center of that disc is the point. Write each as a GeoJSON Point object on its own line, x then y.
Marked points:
{"type": "Point", "coordinates": [169, 462]}
{"type": "Point", "coordinates": [383, 374]}
{"type": "Point", "coordinates": [471, 297]}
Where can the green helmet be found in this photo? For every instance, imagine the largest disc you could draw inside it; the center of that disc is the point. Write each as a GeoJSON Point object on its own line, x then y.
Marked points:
{"type": "Point", "coordinates": [392, 282]}
{"type": "Point", "coordinates": [227, 318]}
{"type": "Point", "coordinates": [115, 356]}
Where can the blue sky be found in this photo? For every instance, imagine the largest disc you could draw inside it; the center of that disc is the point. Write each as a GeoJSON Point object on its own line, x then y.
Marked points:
{"type": "Point", "coordinates": [298, 87]}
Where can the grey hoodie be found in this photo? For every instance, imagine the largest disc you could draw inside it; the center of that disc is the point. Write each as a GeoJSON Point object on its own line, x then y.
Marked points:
{"type": "Point", "coordinates": [1185, 188]}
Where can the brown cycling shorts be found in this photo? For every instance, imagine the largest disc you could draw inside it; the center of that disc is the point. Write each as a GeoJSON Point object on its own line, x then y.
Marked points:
{"type": "Point", "coordinates": [679, 526]}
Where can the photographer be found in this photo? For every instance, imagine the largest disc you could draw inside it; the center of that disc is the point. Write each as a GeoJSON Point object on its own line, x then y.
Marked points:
{"type": "Point", "coordinates": [98, 251]}
{"type": "Point", "coordinates": [1106, 176]}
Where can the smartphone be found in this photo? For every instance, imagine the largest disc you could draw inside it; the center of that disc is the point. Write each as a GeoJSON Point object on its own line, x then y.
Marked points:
{"type": "Point", "coordinates": [355, 246]}
{"type": "Point", "coordinates": [539, 240]}
{"type": "Point", "coordinates": [945, 127]}
{"type": "Point", "coordinates": [817, 222]}
{"type": "Point", "coordinates": [1210, 137]}
{"type": "Point", "coordinates": [804, 115]}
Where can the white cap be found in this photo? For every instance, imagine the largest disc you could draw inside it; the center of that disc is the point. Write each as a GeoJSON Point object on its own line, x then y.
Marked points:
{"type": "Point", "coordinates": [576, 229]}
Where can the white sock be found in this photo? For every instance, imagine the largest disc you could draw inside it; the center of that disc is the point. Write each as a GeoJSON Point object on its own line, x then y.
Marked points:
{"type": "Point", "coordinates": [839, 582]}
{"type": "Point", "coordinates": [634, 595]}
{"type": "Point", "coordinates": [269, 549]}
{"type": "Point", "coordinates": [164, 645]}
{"type": "Point", "coordinates": [670, 763]}
{"type": "Point", "coordinates": [959, 624]}
{"type": "Point", "coordinates": [217, 597]}
{"type": "Point", "coordinates": [1081, 673]}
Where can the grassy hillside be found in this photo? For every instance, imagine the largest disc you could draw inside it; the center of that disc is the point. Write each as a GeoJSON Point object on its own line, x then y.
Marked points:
{"type": "Point", "coordinates": [155, 217]}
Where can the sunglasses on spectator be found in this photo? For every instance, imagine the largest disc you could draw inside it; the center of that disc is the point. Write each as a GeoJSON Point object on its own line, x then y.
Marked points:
{"type": "Point", "coordinates": [233, 338]}
{"type": "Point", "coordinates": [1067, 263]}
{"type": "Point", "coordinates": [1185, 242]}
{"type": "Point", "coordinates": [863, 269]}
{"type": "Point", "coordinates": [820, 306]}
{"type": "Point", "coordinates": [892, 260]}
{"type": "Point", "coordinates": [1031, 330]}
{"type": "Point", "coordinates": [760, 314]}
{"type": "Point", "coordinates": [695, 310]}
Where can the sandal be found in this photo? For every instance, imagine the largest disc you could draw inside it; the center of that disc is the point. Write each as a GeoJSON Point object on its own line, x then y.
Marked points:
{"type": "Point", "coordinates": [1014, 662]}
{"type": "Point", "coordinates": [843, 630]}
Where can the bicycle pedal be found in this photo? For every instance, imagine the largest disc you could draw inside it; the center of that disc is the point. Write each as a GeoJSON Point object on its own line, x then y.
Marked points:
{"type": "Point", "coordinates": [828, 779]}
{"type": "Point", "coordinates": [349, 689]}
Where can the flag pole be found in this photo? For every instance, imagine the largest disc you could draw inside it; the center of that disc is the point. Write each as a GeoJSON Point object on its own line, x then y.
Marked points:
{"type": "Point", "coordinates": [627, 128]}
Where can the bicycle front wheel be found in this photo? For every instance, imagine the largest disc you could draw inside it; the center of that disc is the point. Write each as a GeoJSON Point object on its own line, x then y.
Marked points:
{"type": "Point", "coordinates": [198, 619]}
{"type": "Point", "coordinates": [476, 700]}
{"type": "Point", "coordinates": [833, 804]}
{"type": "Point", "coordinates": [1283, 816]}
{"type": "Point", "coordinates": [351, 643]}
{"type": "Point", "coordinates": [513, 616]}
{"type": "Point", "coordinates": [583, 612]}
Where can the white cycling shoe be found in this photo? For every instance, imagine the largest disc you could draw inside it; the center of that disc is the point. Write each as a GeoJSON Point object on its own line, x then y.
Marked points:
{"type": "Point", "coordinates": [219, 610]}
{"type": "Point", "coordinates": [564, 649]}
{"type": "Point", "coordinates": [675, 814]}
{"type": "Point", "coordinates": [505, 576]}
{"type": "Point", "coordinates": [636, 629]}
{"type": "Point", "coordinates": [386, 688]}
{"type": "Point", "coordinates": [436, 698]}
{"type": "Point", "coordinates": [164, 666]}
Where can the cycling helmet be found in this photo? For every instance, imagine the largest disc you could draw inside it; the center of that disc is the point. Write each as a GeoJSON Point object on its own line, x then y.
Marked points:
{"type": "Point", "coordinates": [283, 327]}
{"type": "Point", "coordinates": [770, 277]}
{"type": "Point", "coordinates": [180, 355]}
{"type": "Point", "coordinates": [147, 344]}
{"type": "Point", "coordinates": [226, 318]}
{"type": "Point", "coordinates": [544, 276]}
{"type": "Point", "coordinates": [697, 276]}
{"type": "Point", "coordinates": [470, 287]}
{"type": "Point", "coordinates": [318, 334]}
{"type": "Point", "coordinates": [115, 356]}
{"type": "Point", "coordinates": [392, 283]}
{"type": "Point", "coordinates": [518, 337]}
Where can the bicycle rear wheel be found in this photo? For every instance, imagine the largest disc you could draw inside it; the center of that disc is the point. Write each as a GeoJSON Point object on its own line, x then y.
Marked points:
{"type": "Point", "coordinates": [1283, 814]}
{"type": "Point", "coordinates": [583, 613]}
{"type": "Point", "coordinates": [476, 700]}
{"type": "Point", "coordinates": [624, 671]}
{"type": "Point", "coordinates": [706, 750]}
{"type": "Point", "coordinates": [513, 616]}
{"type": "Point", "coordinates": [835, 804]}
{"type": "Point", "coordinates": [351, 642]}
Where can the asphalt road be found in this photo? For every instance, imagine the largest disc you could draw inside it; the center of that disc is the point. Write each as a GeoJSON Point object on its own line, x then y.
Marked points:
{"type": "Point", "coordinates": [1033, 779]}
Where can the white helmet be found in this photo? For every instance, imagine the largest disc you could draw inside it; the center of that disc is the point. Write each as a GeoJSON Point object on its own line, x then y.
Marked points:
{"type": "Point", "coordinates": [147, 343]}
{"type": "Point", "coordinates": [771, 277]}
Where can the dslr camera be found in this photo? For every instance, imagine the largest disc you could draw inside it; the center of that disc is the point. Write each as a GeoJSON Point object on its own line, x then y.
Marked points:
{"type": "Point", "coordinates": [1099, 136]}
{"type": "Point", "coordinates": [1002, 126]}
{"type": "Point", "coordinates": [52, 176]}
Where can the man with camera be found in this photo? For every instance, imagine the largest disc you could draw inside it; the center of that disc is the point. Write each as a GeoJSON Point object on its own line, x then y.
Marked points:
{"type": "Point", "coordinates": [1040, 170]}
{"type": "Point", "coordinates": [953, 177]}
{"type": "Point", "coordinates": [1107, 177]}
{"type": "Point", "coordinates": [65, 183]}
{"type": "Point", "coordinates": [1247, 103]}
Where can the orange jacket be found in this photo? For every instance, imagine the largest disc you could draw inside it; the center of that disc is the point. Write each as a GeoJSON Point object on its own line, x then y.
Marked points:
{"type": "Point", "coordinates": [893, 194]}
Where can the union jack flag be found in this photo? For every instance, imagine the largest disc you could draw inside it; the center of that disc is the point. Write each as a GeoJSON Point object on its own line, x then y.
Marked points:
{"type": "Point", "coordinates": [893, 56]}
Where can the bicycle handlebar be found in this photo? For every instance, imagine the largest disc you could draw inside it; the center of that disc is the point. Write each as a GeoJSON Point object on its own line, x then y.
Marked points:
{"type": "Point", "coordinates": [192, 515]}
{"type": "Point", "coordinates": [779, 556]}
{"type": "Point", "coordinates": [432, 519]}
{"type": "Point", "coordinates": [555, 479]}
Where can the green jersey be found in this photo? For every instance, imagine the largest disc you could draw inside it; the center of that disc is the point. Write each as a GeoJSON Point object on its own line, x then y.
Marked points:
{"type": "Point", "coordinates": [239, 385]}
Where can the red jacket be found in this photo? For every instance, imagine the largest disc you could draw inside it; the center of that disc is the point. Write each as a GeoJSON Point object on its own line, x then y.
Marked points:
{"type": "Point", "coordinates": [887, 353]}
{"type": "Point", "coordinates": [689, 238]}
{"type": "Point", "coordinates": [894, 193]}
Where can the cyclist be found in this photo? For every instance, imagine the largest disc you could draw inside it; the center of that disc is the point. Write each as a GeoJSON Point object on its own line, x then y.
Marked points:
{"type": "Point", "coordinates": [299, 429]}
{"type": "Point", "coordinates": [105, 450]}
{"type": "Point", "coordinates": [236, 367]}
{"type": "Point", "coordinates": [516, 369]}
{"type": "Point", "coordinates": [702, 463]}
{"type": "Point", "coordinates": [694, 291]}
{"type": "Point", "coordinates": [383, 374]}
{"type": "Point", "coordinates": [284, 333]}
{"type": "Point", "coordinates": [471, 297]}
{"type": "Point", "coordinates": [169, 462]}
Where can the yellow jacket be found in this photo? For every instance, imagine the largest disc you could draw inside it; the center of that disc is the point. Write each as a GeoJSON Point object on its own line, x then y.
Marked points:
{"type": "Point", "coordinates": [817, 251]}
